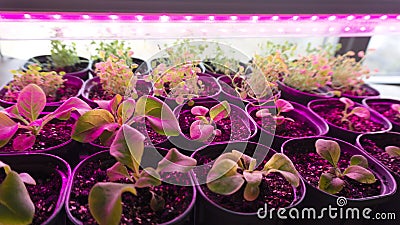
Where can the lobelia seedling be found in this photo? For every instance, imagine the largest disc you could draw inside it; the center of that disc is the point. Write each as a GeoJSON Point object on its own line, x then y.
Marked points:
{"type": "Point", "coordinates": [104, 123]}
{"type": "Point", "coordinates": [358, 111]}
{"type": "Point", "coordinates": [204, 127]}
{"type": "Point", "coordinates": [333, 180]}
{"type": "Point", "coordinates": [16, 206]}
{"type": "Point", "coordinates": [396, 108]}
{"type": "Point", "coordinates": [128, 148]}
{"type": "Point", "coordinates": [224, 178]}
{"type": "Point", "coordinates": [30, 104]}
{"type": "Point", "coordinates": [116, 48]}
{"type": "Point", "coordinates": [393, 151]}
{"type": "Point", "coordinates": [281, 106]}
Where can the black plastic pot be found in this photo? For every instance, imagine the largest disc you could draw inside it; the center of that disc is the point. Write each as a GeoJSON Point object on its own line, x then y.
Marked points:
{"type": "Point", "coordinates": [210, 213]}
{"type": "Point", "coordinates": [150, 158]}
{"type": "Point", "coordinates": [38, 163]}
{"type": "Point", "coordinates": [299, 113]}
{"type": "Point", "coordinates": [302, 97]}
{"type": "Point", "coordinates": [238, 115]}
{"type": "Point", "coordinates": [46, 59]}
{"type": "Point", "coordinates": [142, 68]}
{"type": "Point", "coordinates": [382, 105]}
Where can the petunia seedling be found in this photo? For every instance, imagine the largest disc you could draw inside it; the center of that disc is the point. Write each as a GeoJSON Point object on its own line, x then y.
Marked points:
{"type": "Point", "coordinates": [30, 104]}
{"type": "Point", "coordinates": [104, 123]}
{"type": "Point", "coordinates": [281, 106]}
{"type": "Point", "coordinates": [396, 108]}
{"type": "Point", "coordinates": [128, 148]}
{"type": "Point", "coordinates": [224, 177]}
{"type": "Point", "coordinates": [358, 111]}
{"type": "Point", "coordinates": [333, 180]}
{"type": "Point", "coordinates": [16, 206]}
{"type": "Point", "coordinates": [393, 151]}
{"type": "Point", "coordinates": [204, 126]}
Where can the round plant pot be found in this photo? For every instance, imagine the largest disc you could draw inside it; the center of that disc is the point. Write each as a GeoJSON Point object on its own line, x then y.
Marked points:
{"type": "Point", "coordinates": [210, 69]}
{"type": "Point", "coordinates": [241, 126]}
{"type": "Point", "coordinates": [143, 66]}
{"type": "Point", "coordinates": [212, 91]}
{"type": "Point", "coordinates": [329, 109]}
{"type": "Point", "coordinates": [93, 86]}
{"type": "Point", "coordinates": [52, 175]}
{"type": "Point", "coordinates": [71, 82]}
{"type": "Point", "coordinates": [382, 106]}
{"type": "Point", "coordinates": [82, 72]}
{"type": "Point", "coordinates": [310, 165]}
{"type": "Point", "coordinates": [99, 163]}
{"type": "Point", "coordinates": [218, 209]}
{"type": "Point", "coordinates": [301, 97]}
{"type": "Point", "coordinates": [306, 123]}
{"type": "Point", "coordinates": [371, 92]}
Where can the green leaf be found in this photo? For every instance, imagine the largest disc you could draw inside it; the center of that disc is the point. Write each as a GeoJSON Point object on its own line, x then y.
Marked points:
{"type": "Point", "coordinates": [31, 102]}
{"type": "Point", "coordinates": [280, 163]}
{"type": "Point", "coordinates": [92, 124]}
{"type": "Point", "coordinates": [174, 161]}
{"type": "Point", "coordinates": [200, 131]}
{"type": "Point", "coordinates": [105, 202]}
{"type": "Point", "coordinates": [223, 177]}
{"type": "Point", "coordinates": [24, 142]}
{"type": "Point", "coordinates": [252, 189]}
{"type": "Point", "coordinates": [7, 129]}
{"type": "Point", "coordinates": [6, 167]}
{"type": "Point", "coordinates": [126, 110]}
{"type": "Point", "coordinates": [220, 111]}
{"type": "Point", "coordinates": [160, 116]}
{"type": "Point", "coordinates": [128, 147]}
{"type": "Point", "coordinates": [148, 177]}
{"type": "Point", "coordinates": [360, 174]}
{"type": "Point", "coordinates": [27, 179]}
{"type": "Point", "coordinates": [330, 183]}
{"type": "Point", "coordinates": [63, 112]}
{"type": "Point", "coordinates": [157, 203]}
{"type": "Point", "coordinates": [329, 150]}
{"type": "Point", "coordinates": [114, 104]}
{"type": "Point", "coordinates": [16, 207]}
{"type": "Point", "coordinates": [393, 151]}
{"type": "Point", "coordinates": [118, 171]}
{"type": "Point", "coordinates": [359, 160]}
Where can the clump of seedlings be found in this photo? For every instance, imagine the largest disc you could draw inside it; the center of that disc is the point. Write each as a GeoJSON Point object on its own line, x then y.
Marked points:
{"type": "Point", "coordinates": [393, 151]}
{"type": "Point", "coordinates": [358, 111]}
{"type": "Point", "coordinates": [62, 55]}
{"type": "Point", "coordinates": [105, 202]}
{"type": "Point", "coordinates": [234, 169]}
{"type": "Point", "coordinates": [204, 127]}
{"type": "Point", "coordinates": [30, 104]}
{"type": "Point", "coordinates": [117, 48]}
{"type": "Point", "coordinates": [281, 106]}
{"type": "Point", "coordinates": [104, 123]}
{"type": "Point", "coordinates": [396, 108]}
{"type": "Point", "coordinates": [16, 206]}
{"type": "Point", "coordinates": [333, 180]}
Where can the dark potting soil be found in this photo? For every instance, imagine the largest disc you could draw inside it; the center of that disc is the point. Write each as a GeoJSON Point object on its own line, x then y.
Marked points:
{"type": "Point", "coordinates": [386, 110]}
{"type": "Point", "coordinates": [359, 92]}
{"type": "Point", "coordinates": [209, 89]}
{"type": "Point", "coordinates": [232, 128]}
{"type": "Point", "coordinates": [44, 194]}
{"type": "Point", "coordinates": [299, 128]}
{"type": "Point", "coordinates": [54, 133]}
{"type": "Point", "coordinates": [310, 166]}
{"type": "Point", "coordinates": [274, 190]}
{"type": "Point", "coordinates": [377, 149]}
{"type": "Point", "coordinates": [332, 112]}
{"type": "Point", "coordinates": [98, 93]}
{"type": "Point", "coordinates": [136, 209]}
{"type": "Point", "coordinates": [69, 69]}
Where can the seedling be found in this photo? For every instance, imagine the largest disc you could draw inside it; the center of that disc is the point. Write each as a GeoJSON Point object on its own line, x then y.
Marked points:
{"type": "Point", "coordinates": [104, 123]}
{"type": "Point", "coordinates": [393, 151]}
{"type": "Point", "coordinates": [333, 180]}
{"type": "Point", "coordinates": [30, 104]}
{"type": "Point", "coordinates": [281, 106]}
{"type": "Point", "coordinates": [116, 48]}
{"type": "Point", "coordinates": [16, 206]}
{"type": "Point", "coordinates": [224, 177]}
{"type": "Point", "coordinates": [358, 111]}
{"type": "Point", "coordinates": [62, 55]}
{"type": "Point", "coordinates": [128, 148]}
{"type": "Point", "coordinates": [396, 108]}
{"type": "Point", "coordinates": [204, 127]}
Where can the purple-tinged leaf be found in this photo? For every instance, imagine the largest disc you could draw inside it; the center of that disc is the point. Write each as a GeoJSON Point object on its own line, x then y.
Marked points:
{"type": "Point", "coordinates": [148, 177]}
{"type": "Point", "coordinates": [252, 189]}
{"type": "Point", "coordinates": [114, 103]}
{"type": "Point", "coordinates": [393, 151]}
{"type": "Point", "coordinates": [279, 119]}
{"type": "Point", "coordinates": [31, 102]}
{"type": "Point", "coordinates": [27, 179]}
{"type": "Point", "coordinates": [175, 161]}
{"type": "Point", "coordinates": [126, 110]}
{"type": "Point", "coordinates": [280, 163]}
{"type": "Point", "coordinates": [330, 183]}
{"type": "Point", "coordinates": [199, 110]}
{"type": "Point", "coordinates": [7, 129]}
{"type": "Point", "coordinates": [12, 112]}
{"type": "Point", "coordinates": [329, 150]}
{"type": "Point", "coordinates": [348, 102]}
{"type": "Point", "coordinates": [157, 202]}
{"type": "Point", "coordinates": [223, 177]}
{"type": "Point", "coordinates": [217, 132]}
{"type": "Point", "coordinates": [361, 112]}
{"type": "Point", "coordinates": [220, 111]}
{"type": "Point", "coordinates": [359, 160]}
{"type": "Point", "coordinates": [118, 171]}
{"type": "Point", "coordinates": [263, 113]}
{"type": "Point", "coordinates": [103, 104]}
{"type": "Point", "coordinates": [200, 131]}
{"type": "Point", "coordinates": [24, 142]}
{"type": "Point", "coordinates": [396, 107]}
{"type": "Point", "coordinates": [63, 112]}
{"type": "Point", "coordinates": [283, 105]}
{"type": "Point", "coordinates": [360, 174]}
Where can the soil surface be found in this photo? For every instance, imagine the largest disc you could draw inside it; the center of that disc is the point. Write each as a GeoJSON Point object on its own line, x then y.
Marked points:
{"type": "Point", "coordinates": [44, 194]}
{"type": "Point", "coordinates": [359, 92]}
{"type": "Point", "coordinates": [136, 209]}
{"type": "Point", "coordinates": [332, 113]}
{"type": "Point", "coordinates": [386, 110]}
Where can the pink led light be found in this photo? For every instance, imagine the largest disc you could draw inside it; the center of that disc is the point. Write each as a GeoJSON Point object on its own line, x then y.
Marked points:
{"type": "Point", "coordinates": [57, 16]}
{"type": "Point", "coordinates": [331, 18]}
{"type": "Point", "coordinates": [347, 29]}
{"type": "Point", "coordinates": [188, 18]}
{"type": "Point", "coordinates": [314, 17]}
{"type": "Point", "coordinates": [164, 18]}
{"type": "Point", "coordinates": [113, 17]}
{"type": "Point", "coordinates": [351, 17]}
{"type": "Point", "coordinates": [398, 17]}
{"type": "Point", "coordinates": [86, 17]}
{"type": "Point", "coordinates": [275, 18]}
{"type": "Point", "coordinates": [384, 17]}
{"type": "Point", "coordinates": [211, 18]}
{"type": "Point", "coordinates": [27, 16]}
{"type": "Point", "coordinates": [367, 17]}
{"type": "Point", "coordinates": [254, 18]}
{"type": "Point", "coordinates": [295, 17]}
{"type": "Point", "coordinates": [234, 18]}
{"type": "Point", "coordinates": [139, 18]}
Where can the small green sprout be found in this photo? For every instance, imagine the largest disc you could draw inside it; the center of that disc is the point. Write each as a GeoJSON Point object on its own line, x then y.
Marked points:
{"type": "Point", "coordinates": [393, 151]}
{"type": "Point", "coordinates": [358, 111]}
{"type": "Point", "coordinates": [62, 55]}
{"type": "Point", "coordinates": [281, 106]}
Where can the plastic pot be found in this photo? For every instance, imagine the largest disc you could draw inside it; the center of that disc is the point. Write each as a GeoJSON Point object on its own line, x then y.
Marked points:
{"type": "Point", "coordinates": [319, 198]}
{"type": "Point", "coordinates": [301, 97]}
{"type": "Point", "coordinates": [94, 83]}
{"type": "Point", "coordinates": [44, 164]}
{"type": "Point", "coordinates": [71, 81]}
{"type": "Point", "coordinates": [345, 134]}
{"type": "Point", "coordinates": [208, 211]}
{"type": "Point", "coordinates": [150, 158]}
{"type": "Point", "coordinates": [217, 74]}
{"type": "Point", "coordinates": [382, 106]}
{"type": "Point", "coordinates": [142, 68]}
{"type": "Point", "coordinates": [299, 113]}
{"type": "Point", "coordinates": [45, 59]}
{"type": "Point", "coordinates": [372, 93]}
{"type": "Point", "coordinates": [237, 116]}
